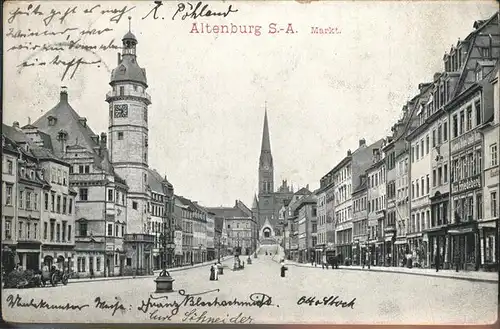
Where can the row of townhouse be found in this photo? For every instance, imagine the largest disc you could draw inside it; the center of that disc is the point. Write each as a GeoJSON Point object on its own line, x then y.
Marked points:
{"type": "Point", "coordinates": [299, 219]}
{"type": "Point", "coordinates": [91, 202]}
{"type": "Point", "coordinates": [38, 204]}
{"type": "Point", "coordinates": [236, 229]}
{"type": "Point", "coordinates": [428, 193]}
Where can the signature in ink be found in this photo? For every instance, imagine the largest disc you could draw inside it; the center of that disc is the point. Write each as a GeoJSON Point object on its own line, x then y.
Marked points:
{"type": "Point", "coordinates": [326, 301]}
{"type": "Point", "coordinates": [200, 10]}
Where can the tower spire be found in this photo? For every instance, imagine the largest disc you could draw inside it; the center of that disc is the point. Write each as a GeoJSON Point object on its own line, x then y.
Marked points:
{"type": "Point", "coordinates": [130, 23]}
{"type": "Point", "coordinates": [266, 144]}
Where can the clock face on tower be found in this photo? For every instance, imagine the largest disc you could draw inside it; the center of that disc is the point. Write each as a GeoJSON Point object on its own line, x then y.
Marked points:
{"type": "Point", "coordinates": [266, 167]}
{"type": "Point", "coordinates": [121, 111]}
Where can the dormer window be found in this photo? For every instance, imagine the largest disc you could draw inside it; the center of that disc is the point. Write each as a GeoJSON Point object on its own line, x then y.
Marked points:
{"type": "Point", "coordinates": [52, 121]}
{"type": "Point", "coordinates": [479, 75]}
{"type": "Point", "coordinates": [486, 52]}
{"type": "Point", "coordinates": [62, 135]}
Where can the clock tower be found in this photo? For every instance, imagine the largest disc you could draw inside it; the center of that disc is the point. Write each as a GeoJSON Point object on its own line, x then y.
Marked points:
{"type": "Point", "coordinates": [266, 178]}
{"type": "Point", "coordinates": [128, 131]}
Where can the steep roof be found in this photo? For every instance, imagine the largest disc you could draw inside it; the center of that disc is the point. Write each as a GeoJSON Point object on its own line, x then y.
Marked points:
{"type": "Point", "coordinates": [255, 203]}
{"type": "Point", "coordinates": [218, 224]}
{"type": "Point", "coordinates": [14, 134]}
{"type": "Point", "coordinates": [303, 191]}
{"type": "Point", "coordinates": [68, 120]}
{"type": "Point", "coordinates": [479, 26]}
{"type": "Point", "coordinates": [128, 69]}
{"type": "Point", "coordinates": [155, 181]}
{"type": "Point", "coordinates": [228, 212]}
{"type": "Point", "coordinates": [33, 150]}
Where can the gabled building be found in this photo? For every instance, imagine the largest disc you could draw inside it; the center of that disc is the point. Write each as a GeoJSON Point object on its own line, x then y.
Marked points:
{"type": "Point", "coordinates": [110, 172]}
{"type": "Point", "coordinates": [43, 214]}
{"type": "Point", "coordinates": [451, 111]}
{"type": "Point", "coordinates": [360, 221]}
{"type": "Point", "coordinates": [239, 223]}
{"type": "Point", "coordinates": [102, 193]}
{"type": "Point", "coordinates": [377, 206]}
{"type": "Point", "coordinates": [491, 192]}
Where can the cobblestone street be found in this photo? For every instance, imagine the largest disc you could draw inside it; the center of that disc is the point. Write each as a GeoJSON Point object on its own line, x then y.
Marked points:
{"type": "Point", "coordinates": [367, 296]}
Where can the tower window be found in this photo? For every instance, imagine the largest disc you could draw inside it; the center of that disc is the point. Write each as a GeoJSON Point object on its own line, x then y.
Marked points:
{"type": "Point", "coordinates": [122, 91]}
{"type": "Point", "coordinates": [135, 87]}
{"type": "Point", "coordinates": [120, 135]}
{"type": "Point", "coordinates": [134, 205]}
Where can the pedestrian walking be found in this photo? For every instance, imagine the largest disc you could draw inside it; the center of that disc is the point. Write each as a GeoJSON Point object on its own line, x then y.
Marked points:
{"type": "Point", "coordinates": [324, 263]}
{"type": "Point", "coordinates": [212, 273]}
{"type": "Point", "coordinates": [216, 270]}
{"type": "Point", "coordinates": [410, 260]}
{"type": "Point", "coordinates": [220, 269]}
{"type": "Point", "coordinates": [283, 269]}
{"type": "Point", "coordinates": [436, 261]}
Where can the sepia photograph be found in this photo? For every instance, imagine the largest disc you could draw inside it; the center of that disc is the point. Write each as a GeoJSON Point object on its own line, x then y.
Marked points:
{"type": "Point", "coordinates": [250, 162]}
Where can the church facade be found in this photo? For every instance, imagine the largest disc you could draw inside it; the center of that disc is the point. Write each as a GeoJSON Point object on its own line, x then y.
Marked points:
{"type": "Point", "coordinates": [268, 202]}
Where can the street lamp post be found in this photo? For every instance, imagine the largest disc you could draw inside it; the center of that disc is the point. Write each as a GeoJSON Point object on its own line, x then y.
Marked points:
{"type": "Point", "coordinates": [199, 253]}
{"type": "Point", "coordinates": [238, 239]}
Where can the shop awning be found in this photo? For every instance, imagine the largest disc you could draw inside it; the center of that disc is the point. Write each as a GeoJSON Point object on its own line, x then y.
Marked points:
{"type": "Point", "coordinates": [35, 251]}
{"type": "Point", "coordinates": [388, 238]}
{"type": "Point", "coordinates": [401, 242]}
{"type": "Point", "coordinates": [489, 224]}
{"type": "Point", "coordinates": [461, 231]}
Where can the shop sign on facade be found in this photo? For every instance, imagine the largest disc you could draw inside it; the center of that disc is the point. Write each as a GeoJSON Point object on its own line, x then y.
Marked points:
{"type": "Point", "coordinates": [466, 184]}
{"type": "Point", "coordinates": [178, 242]}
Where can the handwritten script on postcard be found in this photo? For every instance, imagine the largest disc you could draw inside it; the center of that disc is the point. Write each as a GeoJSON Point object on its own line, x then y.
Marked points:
{"type": "Point", "coordinates": [176, 307]}
{"type": "Point", "coordinates": [76, 37]}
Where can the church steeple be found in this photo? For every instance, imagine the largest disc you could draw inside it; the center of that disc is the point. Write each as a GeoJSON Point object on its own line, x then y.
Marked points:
{"type": "Point", "coordinates": [266, 169]}
{"type": "Point", "coordinates": [266, 144]}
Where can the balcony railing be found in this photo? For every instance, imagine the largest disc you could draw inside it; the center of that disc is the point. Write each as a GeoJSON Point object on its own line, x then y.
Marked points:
{"type": "Point", "coordinates": [143, 94]}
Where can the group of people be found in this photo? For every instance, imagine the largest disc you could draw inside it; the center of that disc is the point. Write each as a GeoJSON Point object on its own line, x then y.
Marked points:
{"type": "Point", "coordinates": [215, 270]}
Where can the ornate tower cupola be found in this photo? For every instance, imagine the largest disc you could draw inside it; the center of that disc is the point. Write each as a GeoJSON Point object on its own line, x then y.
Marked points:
{"type": "Point", "coordinates": [128, 69]}
{"type": "Point", "coordinates": [128, 130]}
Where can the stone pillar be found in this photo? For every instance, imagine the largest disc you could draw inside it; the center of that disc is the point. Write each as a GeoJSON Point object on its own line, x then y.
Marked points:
{"type": "Point", "coordinates": [482, 244]}
{"type": "Point", "coordinates": [446, 252]}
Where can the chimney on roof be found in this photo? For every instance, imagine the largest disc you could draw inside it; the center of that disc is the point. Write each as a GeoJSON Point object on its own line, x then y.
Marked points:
{"type": "Point", "coordinates": [104, 140]}
{"type": "Point", "coordinates": [422, 86]}
{"type": "Point", "coordinates": [15, 125]}
{"type": "Point", "coordinates": [64, 94]}
{"type": "Point", "coordinates": [362, 179]}
{"type": "Point", "coordinates": [362, 142]}
{"type": "Point", "coordinates": [307, 186]}
{"type": "Point", "coordinates": [83, 121]}
{"type": "Point", "coordinates": [349, 153]}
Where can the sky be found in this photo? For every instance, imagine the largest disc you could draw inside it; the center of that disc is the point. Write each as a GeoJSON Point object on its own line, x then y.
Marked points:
{"type": "Point", "coordinates": [323, 92]}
